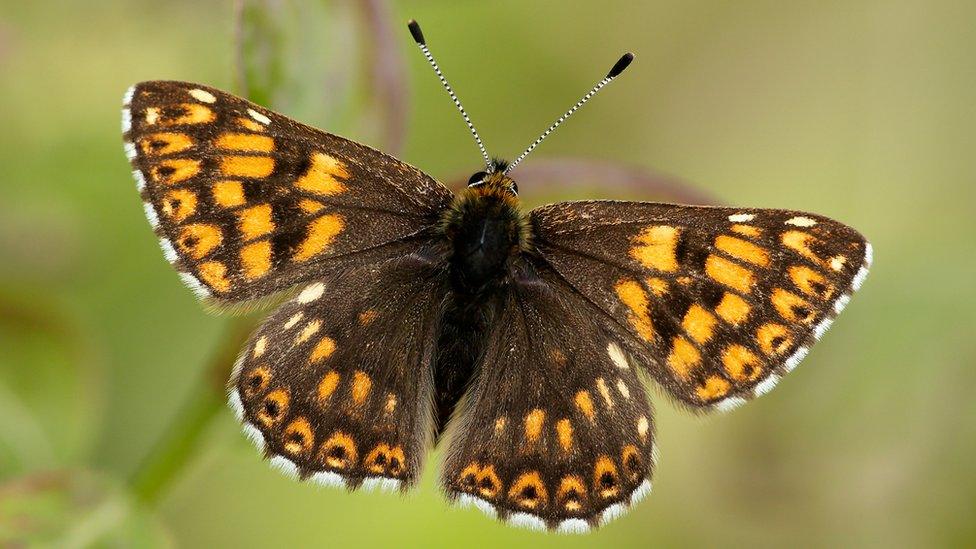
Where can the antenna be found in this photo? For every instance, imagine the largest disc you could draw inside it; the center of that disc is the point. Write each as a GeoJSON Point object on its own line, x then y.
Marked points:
{"type": "Point", "coordinates": [418, 36]}
{"type": "Point", "coordinates": [618, 68]}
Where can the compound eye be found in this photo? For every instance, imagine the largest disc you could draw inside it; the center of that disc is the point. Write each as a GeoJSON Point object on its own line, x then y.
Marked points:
{"type": "Point", "coordinates": [477, 178]}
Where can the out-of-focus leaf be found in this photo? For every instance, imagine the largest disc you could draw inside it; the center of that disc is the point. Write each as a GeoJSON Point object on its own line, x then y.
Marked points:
{"type": "Point", "coordinates": [545, 180]}
{"type": "Point", "coordinates": [74, 508]}
{"type": "Point", "coordinates": [331, 64]}
{"type": "Point", "coordinates": [49, 409]}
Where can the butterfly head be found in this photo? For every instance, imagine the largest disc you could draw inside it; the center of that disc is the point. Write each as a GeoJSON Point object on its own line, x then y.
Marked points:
{"type": "Point", "coordinates": [494, 181]}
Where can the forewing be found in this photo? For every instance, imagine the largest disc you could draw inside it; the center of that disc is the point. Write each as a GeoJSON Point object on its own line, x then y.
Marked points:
{"type": "Point", "coordinates": [247, 202]}
{"type": "Point", "coordinates": [554, 433]}
{"type": "Point", "coordinates": [718, 303]}
{"type": "Point", "coordinates": [336, 385]}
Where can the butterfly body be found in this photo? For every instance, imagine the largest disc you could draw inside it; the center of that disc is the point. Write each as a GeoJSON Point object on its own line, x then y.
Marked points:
{"type": "Point", "coordinates": [413, 307]}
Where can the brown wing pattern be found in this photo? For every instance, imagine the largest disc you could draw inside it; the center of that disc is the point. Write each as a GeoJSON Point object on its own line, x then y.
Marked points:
{"type": "Point", "coordinates": [336, 385]}
{"type": "Point", "coordinates": [718, 303]}
{"type": "Point", "coordinates": [247, 202]}
{"type": "Point", "coordinates": [554, 433]}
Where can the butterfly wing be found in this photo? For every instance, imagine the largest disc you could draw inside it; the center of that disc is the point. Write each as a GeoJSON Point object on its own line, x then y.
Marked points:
{"type": "Point", "coordinates": [718, 303]}
{"type": "Point", "coordinates": [336, 385]}
{"type": "Point", "coordinates": [554, 433]}
{"type": "Point", "coordinates": [247, 202]}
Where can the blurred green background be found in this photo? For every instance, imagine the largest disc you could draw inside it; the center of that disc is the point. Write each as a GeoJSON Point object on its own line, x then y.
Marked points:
{"type": "Point", "coordinates": [859, 110]}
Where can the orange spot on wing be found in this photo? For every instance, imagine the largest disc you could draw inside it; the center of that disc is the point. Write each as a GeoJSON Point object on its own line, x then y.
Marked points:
{"type": "Point", "coordinates": [740, 363]}
{"type": "Point", "coordinates": [361, 384]}
{"type": "Point", "coordinates": [339, 451]}
{"type": "Point", "coordinates": [255, 221]}
{"type": "Point", "coordinates": [367, 316]}
{"type": "Point", "coordinates": [731, 274]}
{"type": "Point", "coordinates": [228, 193]}
{"type": "Point", "coordinates": [632, 295]}
{"type": "Point", "coordinates": [324, 175]}
{"type": "Point", "coordinates": [733, 309]}
{"type": "Point", "coordinates": [298, 437]}
{"type": "Point", "coordinates": [811, 282]}
{"type": "Point", "coordinates": [773, 338]}
{"type": "Point", "coordinates": [564, 431]}
{"type": "Point", "coordinates": [572, 493]}
{"type": "Point", "coordinates": [528, 491]}
{"type": "Point", "coordinates": [310, 206]}
{"type": "Point", "coordinates": [742, 249]}
{"type": "Point", "coordinates": [321, 232]}
{"type": "Point", "coordinates": [747, 230]}
{"type": "Point", "coordinates": [328, 385]}
{"type": "Point", "coordinates": [323, 350]}
{"type": "Point", "coordinates": [658, 286]}
{"type": "Point", "coordinates": [250, 124]}
{"type": "Point", "coordinates": [247, 166]}
{"type": "Point", "coordinates": [174, 170]}
{"type": "Point", "coordinates": [799, 242]}
{"type": "Point", "coordinates": [273, 408]}
{"type": "Point", "coordinates": [683, 357]}
{"type": "Point", "coordinates": [256, 259]}
{"type": "Point", "coordinates": [214, 274]}
{"type": "Point", "coordinates": [184, 113]}
{"type": "Point", "coordinates": [655, 247]}
{"type": "Point", "coordinates": [605, 477]}
{"type": "Point", "coordinates": [198, 240]}
{"type": "Point", "coordinates": [533, 424]}
{"type": "Point", "coordinates": [713, 388]}
{"type": "Point", "coordinates": [699, 324]}
{"type": "Point", "coordinates": [179, 204]}
{"type": "Point", "coordinates": [792, 307]}
{"type": "Point", "coordinates": [585, 404]}
{"type": "Point", "coordinates": [245, 142]}
{"type": "Point", "coordinates": [163, 143]}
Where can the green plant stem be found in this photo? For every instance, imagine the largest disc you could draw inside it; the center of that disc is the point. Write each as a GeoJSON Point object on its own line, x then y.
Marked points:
{"type": "Point", "coordinates": [180, 442]}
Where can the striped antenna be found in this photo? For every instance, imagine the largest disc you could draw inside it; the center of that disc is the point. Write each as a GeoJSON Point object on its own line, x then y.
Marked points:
{"type": "Point", "coordinates": [618, 68]}
{"type": "Point", "coordinates": [418, 36]}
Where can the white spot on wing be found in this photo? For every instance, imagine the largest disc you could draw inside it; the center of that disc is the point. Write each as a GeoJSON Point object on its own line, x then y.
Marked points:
{"type": "Point", "coordinates": [612, 512]}
{"type": "Point", "coordinates": [293, 320]}
{"type": "Point", "coordinates": [140, 180]}
{"type": "Point", "coordinates": [862, 273]}
{"type": "Point", "coordinates": [841, 303]}
{"type": "Point", "coordinates": [801, 221]}
{"type": "Point", "coordinates": [730, 403]}
{"type": "Point", "coordinates": [234, 401]}
{"type": "Point", "coordinates": [168, 252]}
{"type": "Point", "coordinates": [741, 218]}
{"type": "Point", "coordinates": [380, 484]}
{"type": "Point", "coordinates": [573, 526]}
{"type": "Point", "coordinates": [259, 117]}
{"type": "Point", "coordinates": [194, 285]}
{"type": "Point", "coordinates": [766, 385]}
{"type": "Point", "coordinates": [130, 150]}
{"type": "Point", "coordinates": [285, 466]}
{"type": "Point", "coordinates": [255, 436]}
{"type": "Point", "coordinates": [467, 500]}
{"type": "Point", "coordinates": [622, 387]}
{"type": "Point", "coordinates": [525, 520]}
{"type": "Point", "coordinates": [328, 478]}
{"type": "Point", "coordinates": [203, 95]}
{"type": "Point", "coordinates": [641, 492]}
{"type": "Point", "coordinates": [617, 356]}
{"type": "Point", "coordinates": [259, 346]}
{"type": "Point", "coordinates": [127, 97]}
{"type": "Point", "coordinates": [126, 120]}
{"type": "Point", "coordinates": [868, 253]}
{"type": "Point", "coordinates": [151, 214]}
{"type": "Point", "coordinates": [795, 359]}
{"type": "Point", "coordinates": [311, 293]}
{"type": "Point", "coordinates": [821, 328]}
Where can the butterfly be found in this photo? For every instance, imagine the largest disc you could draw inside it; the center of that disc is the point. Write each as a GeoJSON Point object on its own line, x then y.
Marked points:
{"type": "Point", "coordinates": [416, 316]}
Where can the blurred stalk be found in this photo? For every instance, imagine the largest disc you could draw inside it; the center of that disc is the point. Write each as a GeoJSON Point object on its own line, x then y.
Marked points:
{"type": "Point", "coordinates": [181, 440]}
